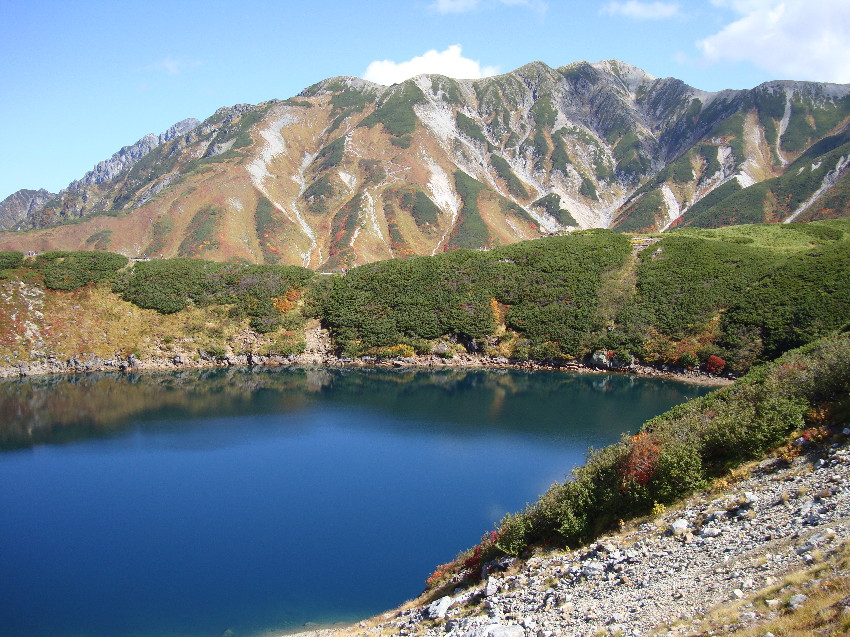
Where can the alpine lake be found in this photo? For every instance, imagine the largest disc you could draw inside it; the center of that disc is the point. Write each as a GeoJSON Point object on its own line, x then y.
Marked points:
{"type": "Point", "coordinates": [259, 501]}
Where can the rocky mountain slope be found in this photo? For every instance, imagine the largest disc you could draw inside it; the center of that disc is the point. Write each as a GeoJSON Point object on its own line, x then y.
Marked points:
{"type": "Point", "coordinates": [350, 172]}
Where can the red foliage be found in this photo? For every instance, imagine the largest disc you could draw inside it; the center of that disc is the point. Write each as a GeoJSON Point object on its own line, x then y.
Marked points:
{"type": "Point", "coordinates": [715, 364]}
{"type": "Point", "coordinates": [638, 465]}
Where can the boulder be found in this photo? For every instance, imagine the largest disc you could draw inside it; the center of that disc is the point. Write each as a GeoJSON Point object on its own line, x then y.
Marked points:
{"type": "Point", "coordinates": [439, 608]}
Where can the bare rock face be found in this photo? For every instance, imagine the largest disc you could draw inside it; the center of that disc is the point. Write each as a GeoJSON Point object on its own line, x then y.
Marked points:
{"type": "Point", "coordinates": [19, 205]}
{"type": "Point", "coordinates": [128, 156]}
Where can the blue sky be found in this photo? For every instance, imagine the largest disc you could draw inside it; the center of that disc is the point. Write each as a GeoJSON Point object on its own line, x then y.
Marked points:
{"type": "Point", "coordinates": [82, 79]}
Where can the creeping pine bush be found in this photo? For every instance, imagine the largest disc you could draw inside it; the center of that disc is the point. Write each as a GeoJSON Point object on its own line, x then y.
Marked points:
{"type": "Point", "coordinates": [10, 260]}
{"type": "Point", "coordinates": [72, 270]}
{"type": "Point", "coordinates": [681, 450]}
{"type": "Point", "coordinates": [262, 293]}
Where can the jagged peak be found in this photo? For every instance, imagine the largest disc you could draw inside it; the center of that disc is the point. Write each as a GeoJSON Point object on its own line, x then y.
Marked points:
{"type": "Point", "coordinates": [341, 83]}
{"type": "Point", "coordinates": [535, 67]}
{"type": "Point", "coordinates": [632, 76]}
{"type": "Point", "coordinates": [814, 89]}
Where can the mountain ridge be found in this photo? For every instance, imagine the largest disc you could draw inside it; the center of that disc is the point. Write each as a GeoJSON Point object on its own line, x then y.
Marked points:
{"type": "Point", "coordinates": [349, 171]}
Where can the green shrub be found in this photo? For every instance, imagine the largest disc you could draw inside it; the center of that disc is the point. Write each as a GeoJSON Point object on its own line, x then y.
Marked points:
{"type": "Point", "coordinates": [10, 260]}
{"type": "Point", "coordinates": [169, 285]}
{"type": "Point", "coordinates": [401, 142]}
{"type": "Point", "coordinates": [396, 112]}
{"type": "Point", "coordinates": [72, 270]}
{"type": "Point", "coordinates": [503, 169]}
{"type": "Point", "coordinates": [469, 127]}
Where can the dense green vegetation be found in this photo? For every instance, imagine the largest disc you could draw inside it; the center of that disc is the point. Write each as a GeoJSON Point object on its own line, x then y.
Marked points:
{"type": "Point", "coordinates": [743, 295]}
{"type": "Point", "coordinates": [640, 215]}
{"type": "Point", "coordinates": [470, 231]}
{"type": "Point", "coordinates": [10, 259]}
{"type": "Point", "coordinates": [331, 155]}
{"type": "Point", "coordinates": [169, 285]}
{"type": "Point", "coordinates": [551, 203]}
{"type": "Point", "coordinates": [267, 227]}
{"type": "Point", "coordinates": [396, 112]}
{"type": "Point", "coordinates": [72, 270]}
{"type": "Point", "coordinates": [773, 199]}
{"type": "Point", "coordinates": [546, 290]}
{"type": "Point", "coordinates": [469, 127]}
{"type": "Point", "coordinates": [723, 299]}
{"type": "Point", "coordinates": [415, 202]}
{"type": "Point", "coordinates": [514, 183]}
{"type": "Point", "coordinates": [200, 233]}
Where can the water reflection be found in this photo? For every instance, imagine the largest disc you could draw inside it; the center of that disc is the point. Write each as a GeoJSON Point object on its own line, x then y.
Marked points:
{"type": "Point", "coordinates": [59, 409]}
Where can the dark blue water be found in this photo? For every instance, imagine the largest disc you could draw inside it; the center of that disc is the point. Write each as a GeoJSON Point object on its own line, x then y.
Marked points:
{"type": "Point", "coordinates": [250, 501]}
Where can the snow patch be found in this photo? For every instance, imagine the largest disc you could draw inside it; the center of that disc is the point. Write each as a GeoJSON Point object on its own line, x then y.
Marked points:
{"type": "Point", "coordinates": [235, 203]}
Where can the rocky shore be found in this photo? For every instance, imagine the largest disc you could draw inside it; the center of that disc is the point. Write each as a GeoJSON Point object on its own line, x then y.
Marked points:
{"type": "Point", "coordinates": [745, 557]}
{"type": "Point", "coordinates": [318, 351]}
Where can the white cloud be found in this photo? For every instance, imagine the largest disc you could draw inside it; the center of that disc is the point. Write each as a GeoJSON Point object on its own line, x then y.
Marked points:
{"type": "Point", "coordinates": [642, 10]}
{"type": "Point", "coordinates": [464, 6]}
{"type": "Point", "coordinates": [449, 62]}
{"type": "Point", "coordinates": [795, 39]}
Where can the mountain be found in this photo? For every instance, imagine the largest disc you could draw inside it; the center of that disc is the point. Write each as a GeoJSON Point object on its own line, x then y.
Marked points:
{"type": "Point", "coordinates": [22, 205]}
{"type": "Point", "coordinates": [350, 172]}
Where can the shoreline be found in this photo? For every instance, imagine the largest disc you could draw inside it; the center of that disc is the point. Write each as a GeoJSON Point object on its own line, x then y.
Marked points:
{"type": "Point", "coordinates": [86, 363]}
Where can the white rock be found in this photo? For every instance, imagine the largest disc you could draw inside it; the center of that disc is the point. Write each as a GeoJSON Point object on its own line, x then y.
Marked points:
{"type": "Point", "coordinates": [797, 601]}
{"type": "Point", "coordinates": [679, 526]}
{"type": "Point", "coordinates": [439, 608]}
{"type": "Point", "coordinates": [496, 630]}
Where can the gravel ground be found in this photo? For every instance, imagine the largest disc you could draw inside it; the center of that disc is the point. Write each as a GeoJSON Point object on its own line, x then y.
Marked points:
{"type": "Point", "coordinates": [713, 550]}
